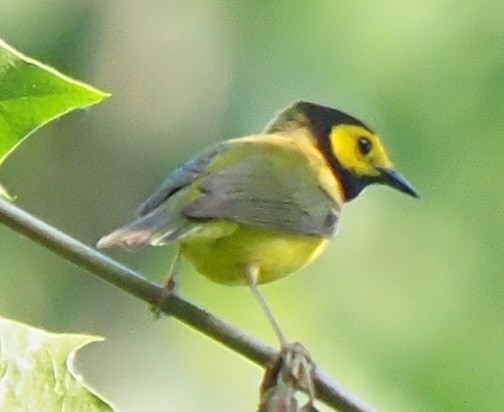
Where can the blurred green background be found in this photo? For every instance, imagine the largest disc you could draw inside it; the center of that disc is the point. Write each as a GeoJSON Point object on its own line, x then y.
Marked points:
{"type": "Point", "coordinates": [406, 309]}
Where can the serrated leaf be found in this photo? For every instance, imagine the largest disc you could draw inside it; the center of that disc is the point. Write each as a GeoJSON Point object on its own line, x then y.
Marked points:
{"type": "Point", "coordinates": [32, 94]}
{"type": "Point", "coordinates": [37, 372]}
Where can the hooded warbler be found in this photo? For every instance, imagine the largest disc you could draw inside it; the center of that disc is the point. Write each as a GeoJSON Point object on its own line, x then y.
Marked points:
{"type": "Point", "coordinates": [254, 209]}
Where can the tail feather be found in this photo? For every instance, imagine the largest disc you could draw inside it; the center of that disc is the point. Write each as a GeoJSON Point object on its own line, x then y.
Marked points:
{"type": "Point", "coordinates": [162, 225]}
{"type": "Point", "coordinates": [148, 230]}
{"type": "Point", "coordinates": [127, 237]}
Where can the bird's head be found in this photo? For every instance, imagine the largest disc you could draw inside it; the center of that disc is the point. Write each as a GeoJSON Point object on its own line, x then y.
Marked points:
{"type": "Point", "coordinates": [356, 154]}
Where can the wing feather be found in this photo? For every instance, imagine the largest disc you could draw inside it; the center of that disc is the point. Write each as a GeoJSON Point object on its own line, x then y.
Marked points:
{"type": "Point", "coordinates": [259, 191]}
{"type": "Point", "coordinates": [255, 184]}
{"type": "Point", "coordinates": [159, 219]}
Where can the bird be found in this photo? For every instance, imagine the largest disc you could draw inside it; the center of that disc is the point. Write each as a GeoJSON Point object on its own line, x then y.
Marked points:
{"type": "Point", "coordinates": [254, 209]}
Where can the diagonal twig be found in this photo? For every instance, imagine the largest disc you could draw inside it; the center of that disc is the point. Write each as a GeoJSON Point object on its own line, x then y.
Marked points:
{"type": "Point", "coordinates": [328, 391]}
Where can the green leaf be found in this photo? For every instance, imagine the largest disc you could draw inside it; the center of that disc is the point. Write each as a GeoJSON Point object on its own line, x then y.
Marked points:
{"type": "Point", "coordinates": [37, 373]}
{"type": "Point", "coordinates": [32, 94]}
{"type": "Point", "coordinates": [4, 194]}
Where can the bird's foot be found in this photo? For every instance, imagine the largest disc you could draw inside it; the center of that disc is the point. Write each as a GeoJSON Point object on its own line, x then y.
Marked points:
{"type": "Point", "coordinates": [169, 289]}
{"type": "Point", "coordinates": [292, 371]}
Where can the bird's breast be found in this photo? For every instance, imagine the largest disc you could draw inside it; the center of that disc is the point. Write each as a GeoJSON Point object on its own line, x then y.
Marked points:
{"type": "Point", "coordinates": [224, 259]}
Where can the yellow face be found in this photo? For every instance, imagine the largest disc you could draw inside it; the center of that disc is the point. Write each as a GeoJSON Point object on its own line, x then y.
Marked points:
{"type": "Point", "coordinates": [359, 151]}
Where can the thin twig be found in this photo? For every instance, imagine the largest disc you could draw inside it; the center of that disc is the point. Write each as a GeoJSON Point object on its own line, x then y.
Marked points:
{"type": "Point", "coordinates": [328, 391]}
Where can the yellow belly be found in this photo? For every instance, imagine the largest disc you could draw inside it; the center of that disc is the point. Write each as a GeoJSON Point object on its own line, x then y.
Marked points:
{"type": "Point", "coordinates": [222, 250]}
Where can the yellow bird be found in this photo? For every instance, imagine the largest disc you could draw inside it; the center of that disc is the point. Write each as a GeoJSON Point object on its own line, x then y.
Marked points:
{"type": "Point", "coordinates": [254, 209]}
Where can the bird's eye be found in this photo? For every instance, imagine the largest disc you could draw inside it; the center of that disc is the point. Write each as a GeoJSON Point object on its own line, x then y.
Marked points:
{"type": "Point", "coordinates": [364, 145]}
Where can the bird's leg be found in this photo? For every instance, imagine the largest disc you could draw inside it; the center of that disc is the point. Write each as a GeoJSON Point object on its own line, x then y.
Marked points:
{"type": "Point", "coordinates": [170, 284]}
{"type": "Point", "coordinates": [252, 273]}
{"type": "Point", "coordinates": [294, 368]}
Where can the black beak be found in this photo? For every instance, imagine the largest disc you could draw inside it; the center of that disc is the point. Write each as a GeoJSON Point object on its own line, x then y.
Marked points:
{"type": "Point", "coordinates": [395, 180]}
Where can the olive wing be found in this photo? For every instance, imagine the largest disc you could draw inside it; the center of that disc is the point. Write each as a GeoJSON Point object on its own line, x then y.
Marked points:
{"type": "Point", "coordinates": [181, 177]}
{"type": "Point", "coordinates": [159, 219]}
{"type": "Point", "coordinates": [280, 194]}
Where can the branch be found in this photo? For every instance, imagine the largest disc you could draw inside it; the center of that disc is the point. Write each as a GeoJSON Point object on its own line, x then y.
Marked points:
{"type": "Point", "coordinates": [328, 391]}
